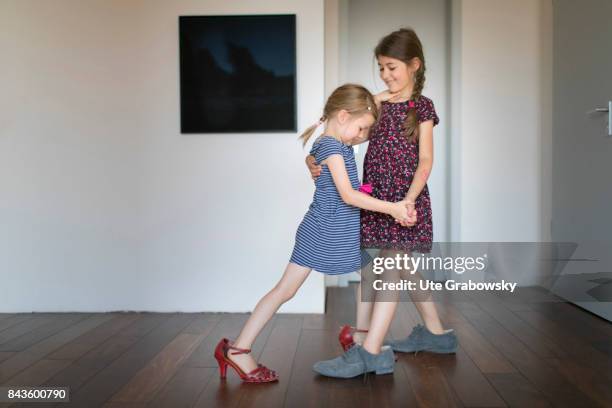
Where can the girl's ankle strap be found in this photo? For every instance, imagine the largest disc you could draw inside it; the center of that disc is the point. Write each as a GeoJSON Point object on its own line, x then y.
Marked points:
{"type": "Point", "coordinates": [239, 350]}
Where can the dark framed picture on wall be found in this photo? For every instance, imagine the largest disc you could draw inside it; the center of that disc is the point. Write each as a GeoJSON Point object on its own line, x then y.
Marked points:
{"type": "Point", "coordinates": [238, 74]}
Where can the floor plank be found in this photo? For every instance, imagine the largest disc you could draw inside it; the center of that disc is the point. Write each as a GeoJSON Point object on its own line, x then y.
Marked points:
{"type": "Point", "coordinates": [515, 352]}
{"type": "Point", "coordinates": [482, 352]}
{"type": "Point", "coordinates": [306, 388]}
{"type": "Point", "coordinates": [32, 337]}
{"type": "Point", "coordinates": [38, 351]}
{"type": "Point", "coordinates": [102, 355]}
{"type": "Point", "coordinates": [24, 326]}
{"type": "Point", "coordinates": [11, 321]}
{"type": "Point", "coordinates": [183, 390]}
{"type": "Point", "coordinates": [540, 345]}
{"type": "Point", "coordinates": [517, 391]}
{"type": "Point", "coordinates": [4, 355]}
{"type": "Point", "coordinates": [464, 377]}
{"type": "Point", "coordinates": [572, 344]}
{"type": "Point", "coordinates": [109, 380]}
{"type": "Point", "coordinates": [554, 387]}
{"type": "Point", "coordinates": [88, 341]}
{"type": "Point", "coordinates": [150, 379]}
{"type": "Point", "coordinates": [158, 376]}
{"type": "Point", "coordinates": [587, 379]}
{"type": "Point", "coordinates": [420, 383]}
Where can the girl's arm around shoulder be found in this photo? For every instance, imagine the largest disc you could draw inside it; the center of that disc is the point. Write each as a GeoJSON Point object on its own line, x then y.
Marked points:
{"type": "Point", "coordinates": [336, 166]}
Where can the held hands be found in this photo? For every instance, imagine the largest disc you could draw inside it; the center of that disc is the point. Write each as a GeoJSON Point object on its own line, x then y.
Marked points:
{"type": "Point", "coordinates": [405, 213]}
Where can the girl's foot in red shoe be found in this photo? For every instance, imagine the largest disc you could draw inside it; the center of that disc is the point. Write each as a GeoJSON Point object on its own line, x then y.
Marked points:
{"type": "Point", "coordinates": [349, 336]}
{"type": "Point", "coordinates": [224, 353]}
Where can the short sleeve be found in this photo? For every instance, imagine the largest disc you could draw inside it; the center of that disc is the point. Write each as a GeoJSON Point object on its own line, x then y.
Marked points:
{"type": "Point", "coordinates": [426, 111]}
{"type": "Point", "coordinates": [325, 147]}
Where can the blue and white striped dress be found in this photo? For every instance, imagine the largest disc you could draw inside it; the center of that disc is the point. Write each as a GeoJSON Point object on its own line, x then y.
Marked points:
{"type": "Point", "coordinates": [327, 240]}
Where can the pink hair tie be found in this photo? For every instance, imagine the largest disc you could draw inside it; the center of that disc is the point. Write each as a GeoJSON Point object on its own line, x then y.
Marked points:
{"type": "Point", "coordinates": [366, 189]}
{"type": "Point", "coordinates": [411, 104]}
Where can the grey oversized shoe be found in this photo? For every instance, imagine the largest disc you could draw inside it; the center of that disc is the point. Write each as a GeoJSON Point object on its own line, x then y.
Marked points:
{"type": "Point", "coordinates": [348, 365]}
{"type": "Point", "coordinates": [381, 363]}
{"type": "Point", "coordinates": [356, 361]}
{"type": "Point", "coordinates": [421, 339]}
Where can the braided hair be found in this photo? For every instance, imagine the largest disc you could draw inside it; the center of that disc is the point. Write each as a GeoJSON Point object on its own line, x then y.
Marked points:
{"type": "Point", "coordinates": [404, 45]}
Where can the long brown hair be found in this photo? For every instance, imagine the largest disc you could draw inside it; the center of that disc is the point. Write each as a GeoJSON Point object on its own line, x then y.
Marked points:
{"type": "Point", "coordinates": [404, 45]}
{"type": "Point", "coordinates": [353, 98]}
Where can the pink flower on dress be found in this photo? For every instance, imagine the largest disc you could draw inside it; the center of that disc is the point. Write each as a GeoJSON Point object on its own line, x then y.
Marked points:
{"type": "Point", "coordinates": [366, 189]}
{"type": "Point", "coordinates": [411, 104]}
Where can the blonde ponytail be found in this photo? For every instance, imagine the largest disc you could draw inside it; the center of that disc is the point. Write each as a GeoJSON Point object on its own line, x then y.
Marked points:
{"type": "Point", "coordinates": [310, 130]}
{"type": "Point", "coordinates": [355, 99]}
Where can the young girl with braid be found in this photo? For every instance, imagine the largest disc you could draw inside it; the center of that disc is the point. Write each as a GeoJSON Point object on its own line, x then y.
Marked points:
{"type": "Point", "coordinates": [397, 164]}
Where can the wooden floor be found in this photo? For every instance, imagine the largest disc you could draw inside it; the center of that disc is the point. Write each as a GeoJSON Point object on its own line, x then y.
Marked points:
{"type": "Point", "coordinates": [512, 353]}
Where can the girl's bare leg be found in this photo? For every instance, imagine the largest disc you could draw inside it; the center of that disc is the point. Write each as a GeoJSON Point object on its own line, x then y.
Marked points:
{"type": "Point", "coordinates": [285, 289]}
{"type": "Point", "coordinates": [364, 311]}
{"type": "Point", "coordinates": [426, 308]}
{"type": "Point", "coordinates": [382, 313]}
{"type": "Point", "coordinates": [429, 314]}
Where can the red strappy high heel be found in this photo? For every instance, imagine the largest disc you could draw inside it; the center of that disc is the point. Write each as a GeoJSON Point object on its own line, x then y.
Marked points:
{"type": "Point", "coordinates": [346, 336]}
{"type": "Point", "coordinates": [261, 374]}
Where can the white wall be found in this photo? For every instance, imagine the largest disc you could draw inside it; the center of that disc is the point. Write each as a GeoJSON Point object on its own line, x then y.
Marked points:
{"type": "Point", "coordinates": [501, 128]}
{"type": "Point", "coordinates": [501, 87]}
{"type": "Point", "coordinates": [104, 205]}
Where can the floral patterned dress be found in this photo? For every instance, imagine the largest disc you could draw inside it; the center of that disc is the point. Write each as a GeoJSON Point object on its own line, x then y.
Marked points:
{"type": "Point", "coordinates": [390, 164]}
